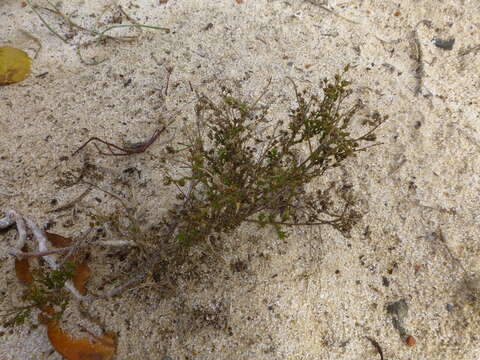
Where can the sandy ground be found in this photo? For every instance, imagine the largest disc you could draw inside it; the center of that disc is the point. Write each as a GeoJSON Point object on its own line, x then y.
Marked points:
{"type": "Point", "coordinates": [316, 295]}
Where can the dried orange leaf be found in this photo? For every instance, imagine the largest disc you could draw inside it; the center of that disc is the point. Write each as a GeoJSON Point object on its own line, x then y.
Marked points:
{"type": "Point", "coordinates": [103, 348]}
{"type": "Point", "coordinates": [43, 317]}
{"type": "Point", "coordinates": [82, 271]}
{"type": "Point", "coordinates": [80, 276]}
{"type": "Point", "coordinates": [14, 65]}
{"type": "Point", "coordinates": [22, 270]}
{"type": "Point", "coordinates": [58, 241]}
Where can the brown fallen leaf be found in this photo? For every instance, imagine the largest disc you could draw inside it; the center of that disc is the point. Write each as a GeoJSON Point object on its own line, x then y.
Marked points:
{"type": "Point", "coordinates": [58, 241]}
{"type": "Point", "coordinates": [103, 348]}
{"type": "Point", "coordinates": [80, 276]}
{"type": "Point", "coordinates": [22, 270]}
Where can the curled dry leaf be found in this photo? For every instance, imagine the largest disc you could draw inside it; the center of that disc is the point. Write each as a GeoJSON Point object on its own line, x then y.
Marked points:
{"type": "Point", "coordinates": [14, 65]}
{"type": "Point", "coordinates": [103, 348]}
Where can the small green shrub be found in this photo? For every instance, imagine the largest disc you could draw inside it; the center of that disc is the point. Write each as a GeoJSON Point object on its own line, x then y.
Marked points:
{"type": "Point", "coordinates": [244, 166]}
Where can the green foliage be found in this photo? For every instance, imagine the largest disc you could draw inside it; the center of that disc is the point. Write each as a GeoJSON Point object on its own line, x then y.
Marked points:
{"type": "Point", "coordinates": [248, 167]}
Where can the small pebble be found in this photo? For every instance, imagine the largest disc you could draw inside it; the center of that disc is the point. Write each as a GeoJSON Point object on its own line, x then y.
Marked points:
{"type": "Point", "coordinates": [444, 44]}
{"type": "Point", "coordinates": [410, 341]}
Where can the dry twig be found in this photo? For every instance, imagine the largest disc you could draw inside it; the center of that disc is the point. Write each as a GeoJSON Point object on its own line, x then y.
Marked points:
{"type": "Point", "coordinates": [122, 151]}
{"type": "Point", "coordinates": [419, 70]}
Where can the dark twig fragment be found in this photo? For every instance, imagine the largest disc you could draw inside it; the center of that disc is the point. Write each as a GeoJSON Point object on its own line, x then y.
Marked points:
{"type": "Point", "coordinates": [419, 70]}
{"type": "Point", "coordinates": [116, 150]}
{"type": "Point", "coordinates": [377, 346]}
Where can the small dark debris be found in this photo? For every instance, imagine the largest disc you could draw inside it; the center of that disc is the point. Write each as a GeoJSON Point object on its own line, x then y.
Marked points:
{"type": "Point", "coordinates": [69, 36]}
{"type": "Point", "coordinates": [238, 266]}
{"type": "Point", "coordinates": [361, 257]}
{"type": "Point", "coordinates": [42, 75]}
{"type": "Point", "coordinates": [450, 307]}
{"type": "Point", "coordinates": [128, 82]}
{"type": "Point", "coordinates": [385, 281]}
{"type": "Point", "coordinates": [63, 158]}
{"type": "Point", "coordinates": [394, 267]}
{"type": "Point", "coordinates": [131, 171]}
{"type": "Point", "coordinates": [398, 310]}
{"type": "Point", "coordinates": [412, 186]}
{"type": "Point", "coordinates": [417, 125]}
{"type": "Point", "coordinates": [444, 44]}
{"type": "Point", "coordinates": [290, 63]}
{"type": "Point", "coordinates": [53, 202]}
{"type": "Point", "coordinates": [337, 272]}
{"type": "Point", "coordinates": [389, 67]}
{"type": "Point", "coordinates": [377, 346]}
{"type": "Point", "coordinates": [160, 271]}
{"type": "Point", "coordinates": [49, 225]}
{"type": "Point", "coordinates": [118, 19]}
{"type": "Point", "coordinates": [367, 232]}
{"type": "Point", "coordinates": [208, 27]}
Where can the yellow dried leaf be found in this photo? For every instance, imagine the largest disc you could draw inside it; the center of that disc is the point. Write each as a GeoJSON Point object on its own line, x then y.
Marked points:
{"type": "Point", "coordinates": [14, 65]}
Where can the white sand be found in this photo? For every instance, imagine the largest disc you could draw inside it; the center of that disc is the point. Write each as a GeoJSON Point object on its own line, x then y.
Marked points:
{"type": "Point", "coordinates": [289, 303]}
